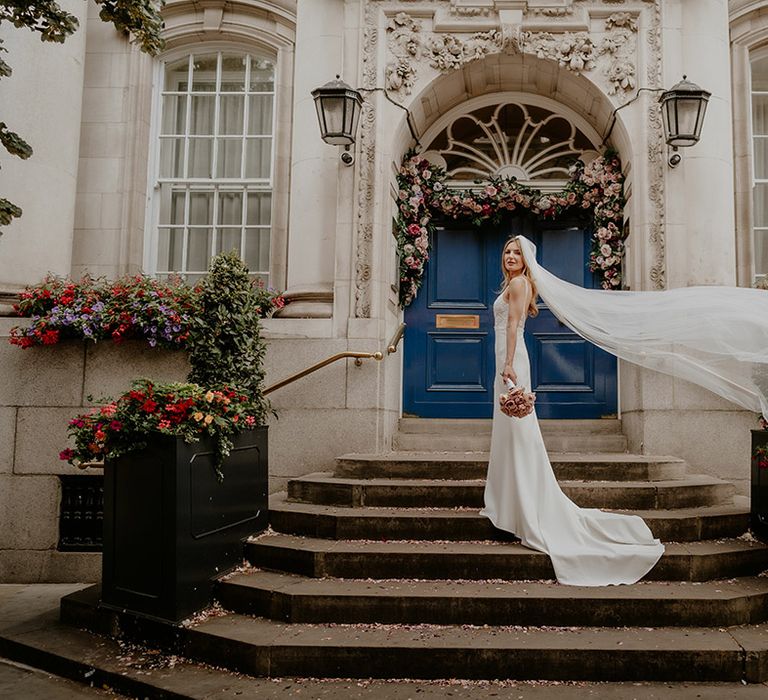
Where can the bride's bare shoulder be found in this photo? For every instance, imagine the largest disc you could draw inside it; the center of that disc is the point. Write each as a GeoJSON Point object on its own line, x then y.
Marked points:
{"type": "Point", "coordinates": [516, 288]}
{"type": "Point", "coordinates": [519, 285]}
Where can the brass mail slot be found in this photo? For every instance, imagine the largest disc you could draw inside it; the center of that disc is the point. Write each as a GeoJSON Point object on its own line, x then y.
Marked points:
{"type": "Point", "coordinates": [457, 321]}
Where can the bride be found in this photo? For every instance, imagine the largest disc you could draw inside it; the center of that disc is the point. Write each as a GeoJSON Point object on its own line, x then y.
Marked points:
{"type": "Point", "coordinates": [713, 336]}
{"type": "Point", "coordinates": [588, 547]}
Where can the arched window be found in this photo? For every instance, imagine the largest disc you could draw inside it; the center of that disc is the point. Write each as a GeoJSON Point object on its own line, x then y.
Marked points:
{"type": "Point", "coordinates": [498, 137]}
{"type": "Point", "coordinates": [214, 166]}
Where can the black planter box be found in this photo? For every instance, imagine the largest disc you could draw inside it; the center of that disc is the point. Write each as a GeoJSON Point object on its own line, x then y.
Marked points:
{"type": "Point", "coordinates": [759, 488]}
{"type": "Point", "coordinates": [170, 526]}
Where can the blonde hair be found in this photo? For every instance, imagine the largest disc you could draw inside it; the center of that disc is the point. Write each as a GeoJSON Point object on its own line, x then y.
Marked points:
{"type": "Point", "coordinates": [533, 310]}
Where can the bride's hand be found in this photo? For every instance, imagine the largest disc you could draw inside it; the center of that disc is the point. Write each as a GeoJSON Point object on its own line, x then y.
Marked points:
{"type": "Point", "coordinates": [509, 373]}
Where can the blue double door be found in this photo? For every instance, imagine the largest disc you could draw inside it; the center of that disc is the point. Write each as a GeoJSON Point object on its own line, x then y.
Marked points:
{"type": "Point", "coordinates": [449, 341]}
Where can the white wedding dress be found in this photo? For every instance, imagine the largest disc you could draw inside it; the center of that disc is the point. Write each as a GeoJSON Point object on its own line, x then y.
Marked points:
{"type": "Point", "coordinates": [587, 546]}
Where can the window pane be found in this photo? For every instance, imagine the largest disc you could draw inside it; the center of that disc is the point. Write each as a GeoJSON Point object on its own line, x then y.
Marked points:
{"type": "Point", "coordinates": [201, 119]}
{"type": "Point", "coordinates": [262, 75]}
{"type": "Point", "coordinates": [230, 157]}
{"type": "Point", "coordinates": [257, 249]}
{"type": "Point", "coordinates": [259, 208]}
{"type": "Point", "coordinates": [760, 202]}
{"type": "Point", "coordinates": [177, 75]}
{"type": "Point", "coordinates": [231, 109]}
{"type": "Point", "coordinates": [199, 249]}
{"type": "Point", "coordinates": [169, 246]}
{"type": "Point", "coordinates": [200, 208]}
{"type": "Point", "coordinates": [200, 157]}
{"type": "Point", "coordinates": [230, 208]}
{"type": "Point", "coordinates": [761, 252]}
{"type": "Point", "coordinates": [760, 74]}
{"type": "Point", "coordinates": [233, 73]}
{"type": "Point", "coordinates": [171, 205]}
{"type": "Point", "coordinates": [761, 157]}
{"type": "Point", "coordinates": [204, 73]}
{"type": "Point", "coordinates": [229, 239]}
{"type": "Point", "coordinates": [258, 154]}
{"type": "Point", "coordinates": [171, 157]}
{"type": "Point", "coordinates": [174, 114]}
{"type": "Point", "coordinates": [260, 115]}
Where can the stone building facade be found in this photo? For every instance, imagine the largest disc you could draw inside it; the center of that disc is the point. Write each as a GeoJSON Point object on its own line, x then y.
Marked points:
{"type": "Point", "coordinates": [153, 165]}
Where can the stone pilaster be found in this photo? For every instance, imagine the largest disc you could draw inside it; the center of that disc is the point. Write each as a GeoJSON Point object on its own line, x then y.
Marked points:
{"type": "Point", "coordinates": [314, 164]}
{"type": "Point", "coordinates": [700, 239]}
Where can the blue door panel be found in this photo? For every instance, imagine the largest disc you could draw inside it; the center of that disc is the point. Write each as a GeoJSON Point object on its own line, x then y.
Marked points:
{"type": "Point", "coordinates": [457, 363]}
{"type": "Point", "coordinates": [459, 282]}
{"type": "Point", "coordinates": [449, 372]}
{"type": "Point", "coordinates": [560, 363]}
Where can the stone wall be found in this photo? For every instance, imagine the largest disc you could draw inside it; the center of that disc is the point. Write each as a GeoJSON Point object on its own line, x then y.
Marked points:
{"type": "Point", "coordinates": [666, 416]}
{"type": "Point", "coordinates": [340, 408]}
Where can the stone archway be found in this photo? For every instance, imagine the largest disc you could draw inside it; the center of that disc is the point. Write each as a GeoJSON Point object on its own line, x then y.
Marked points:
{"type": "Point", "coordinates": [521, 75]}
{"type": "Point", "coordinates": [475, 94]}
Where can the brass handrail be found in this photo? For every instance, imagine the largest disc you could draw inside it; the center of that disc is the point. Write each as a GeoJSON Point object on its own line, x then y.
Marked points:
{"type": "Point", "coordinates": [392, 347]}
{"type": "Point", "coordinates": [358, 356]}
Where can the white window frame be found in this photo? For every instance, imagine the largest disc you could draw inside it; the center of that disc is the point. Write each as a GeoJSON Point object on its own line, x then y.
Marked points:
{"type": "Point", "coordinates": [151, 238]}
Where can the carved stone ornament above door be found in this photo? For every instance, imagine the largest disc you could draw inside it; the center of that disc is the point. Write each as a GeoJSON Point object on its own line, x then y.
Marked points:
{"type": "Point", "coordinates": [584, 37]}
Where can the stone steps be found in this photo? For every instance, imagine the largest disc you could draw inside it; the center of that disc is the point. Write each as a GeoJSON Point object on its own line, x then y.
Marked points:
{"type": "Point", "coordinates": [691, 561]}
{"type": "Point", "coordinates": [297, 599]}
{"type": "Point", "coordinates": [325, 489]}
{"type": "Point", "coordinates": [333, 522]}
{"type": "Point", "coordinates": [477, 426]}
{"type": "Point", "coordinates": [262, 647]}
{"type": "Point", "coordinates": [481, 443]}
{"type": "Point", "coordinates": [463, 435]}
{"type": "Point", "coordinates": [474, 465]}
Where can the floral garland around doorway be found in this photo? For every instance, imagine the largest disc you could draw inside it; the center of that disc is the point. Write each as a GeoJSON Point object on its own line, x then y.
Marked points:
{"type": "Point", "coordinates": [597, 188]}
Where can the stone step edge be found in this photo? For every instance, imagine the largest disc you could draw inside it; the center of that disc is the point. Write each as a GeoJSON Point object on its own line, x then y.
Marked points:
{"type": "Point", "coordinates": [688, 481]}
{"type": "Point", "coordinates": [67, 661]}
{"type": "Point", "coordinates": [703, 560]}
{"type": "Point", "coordinates": [279, 502]}
{"type": "Point", "coordinates": [429, 426]}
{"type": "Point", "coordinates": [481, 457]}
{"type": "Point", "coordinates": [741, 652]}
{"type": "Point", "coordinates": [299, 599]}
{"type": "Point", "coordinates": [296, 585]}
{"type": "Point", "coordinates": [197, 679]}
{"type": "Point", "coordinates": [318, 545]}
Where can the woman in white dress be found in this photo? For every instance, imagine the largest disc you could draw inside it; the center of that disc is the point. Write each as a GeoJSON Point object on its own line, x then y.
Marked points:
{"type": "Point", "coordinates": [588, 547]}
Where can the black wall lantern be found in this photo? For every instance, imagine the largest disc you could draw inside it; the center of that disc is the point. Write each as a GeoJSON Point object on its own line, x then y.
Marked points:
{"type": "Point", "coordinates": [338, 111]}
{"type": "Point", "coordinates": [682, 112]}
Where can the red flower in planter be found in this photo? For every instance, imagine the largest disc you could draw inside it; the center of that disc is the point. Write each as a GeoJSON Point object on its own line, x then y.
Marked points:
{"type": "Point", "coordinates": [149, 406]}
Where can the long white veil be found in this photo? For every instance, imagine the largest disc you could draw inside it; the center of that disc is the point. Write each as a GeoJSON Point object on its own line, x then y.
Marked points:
{"type": "Point", "coordinates": [716, 337]}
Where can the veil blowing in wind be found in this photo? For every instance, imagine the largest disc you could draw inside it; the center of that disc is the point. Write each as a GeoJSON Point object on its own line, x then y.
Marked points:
{"type": "Point", "coordinates": [713, 336]}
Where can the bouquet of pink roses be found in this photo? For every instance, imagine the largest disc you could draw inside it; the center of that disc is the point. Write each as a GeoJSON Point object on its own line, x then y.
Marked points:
{"type": "Point", "coordinates": [517, 402]}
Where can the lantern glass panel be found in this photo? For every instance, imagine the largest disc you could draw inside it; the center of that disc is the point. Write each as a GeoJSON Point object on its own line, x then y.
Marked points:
{"type": "Point", "coordinates": [354, 116]}
{"type": "Point", "coordinates": [333, 107]}
{"type": "Point", "coordinates": [689, 112]}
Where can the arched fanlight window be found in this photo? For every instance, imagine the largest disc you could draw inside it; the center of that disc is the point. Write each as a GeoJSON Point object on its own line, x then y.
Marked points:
{"type": "Point", "coordinates": [529, 142]}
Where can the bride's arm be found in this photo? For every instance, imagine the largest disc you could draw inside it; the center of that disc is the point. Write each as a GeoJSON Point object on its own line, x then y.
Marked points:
{"type": "Point", "coordinates": [518, 292]}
